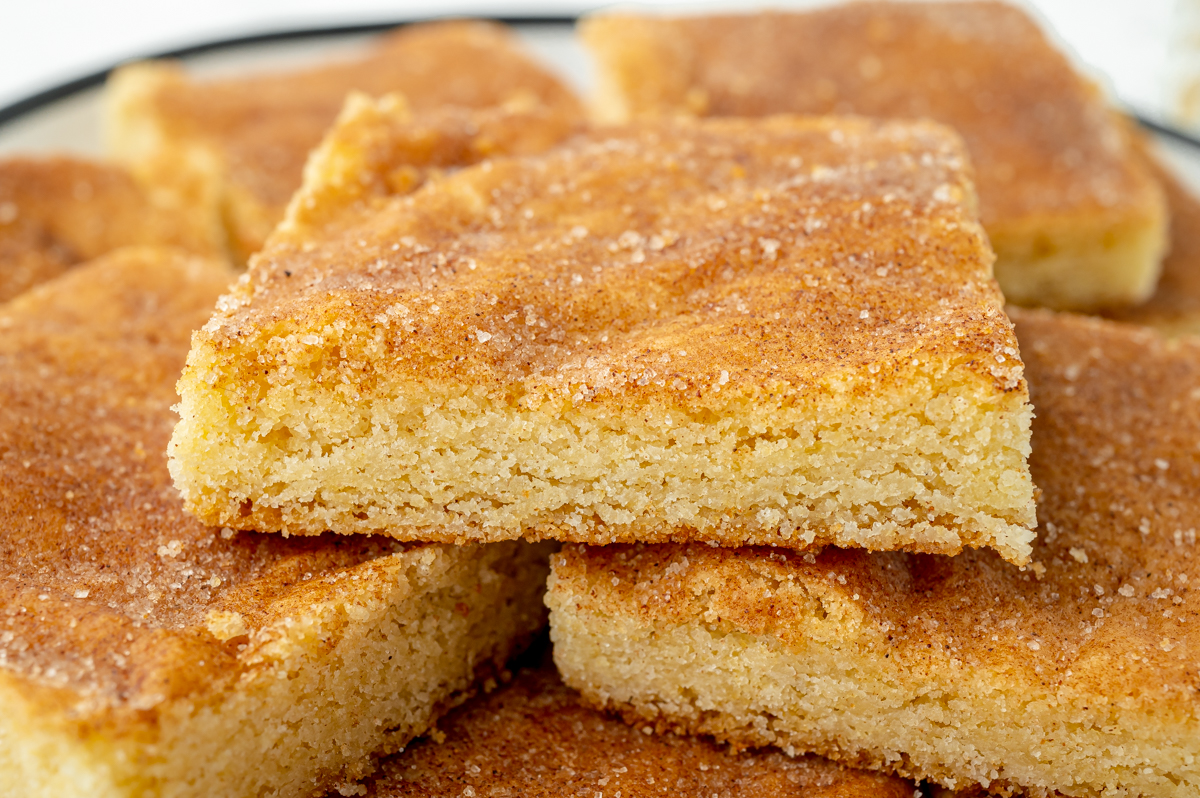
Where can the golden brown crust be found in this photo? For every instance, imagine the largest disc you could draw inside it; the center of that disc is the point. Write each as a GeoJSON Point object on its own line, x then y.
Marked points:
{"type": "Point", "coordinates": [704, 271]}
{"type": "Point", "coordinates": [1041, 139]}
{"type": "Point", "coordinates": [59, 212]}
{"type": "Point", "coordinates": [1076, 220]}
{"type": "Point", "coordinates": [1113, 452]}
{"type": "Point", "coordinates": [1104, 617]}
{"type": "Point", "coordinates": [646, 261]}
{"type": "Point", "coordinates": [108, 584]}
{"type": "Point", "coordinates": [379, 148]}
{"type": "Point", "coordinates": [533, 738]}
{"type": "Point", "coordinates": [259, 130]}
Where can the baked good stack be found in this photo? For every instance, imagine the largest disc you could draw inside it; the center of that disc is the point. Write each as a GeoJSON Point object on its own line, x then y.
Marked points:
{"type": "Point", "coordinates": [734, 344]}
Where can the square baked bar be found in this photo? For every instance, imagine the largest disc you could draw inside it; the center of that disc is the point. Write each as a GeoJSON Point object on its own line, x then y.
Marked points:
{"type": "Point", "coordinates": [1174, 309]}
{"type": "Point", "coordinates": [144, 654]}
{"type": "Point", "coordinates": [1076, 220]}
{"type": "Point", "coordinates": [58, 212]}
{"type": "Point", "coordinates": [779, 332]}
{"type": "Point", "coordinates": [234, 148]}
{"type": "Point", "coordinates": [1074, 676]}
{"type": "Point", "coordinates": [534, 739]}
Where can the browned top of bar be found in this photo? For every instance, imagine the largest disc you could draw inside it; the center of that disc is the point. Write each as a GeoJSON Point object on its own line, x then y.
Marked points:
{"type": "Point", "coordinates": [680, 260]}
{"type": "Point", "coordinates": [1107, 610]}
{"type": "Point", "coordinates": [532, 738]}
{"type": "Point", "coordinates": [1175, 305]}
{"type": "Point", "coordinates": [105, 583]}
{"type": "Point", "coordinates": [380, 149]}
{"type": "Point", "coordinates": [57, 212]}
{"type": "Point", "coordinates": [1040, 136]}
{"type": "Point", "coordinates": [264, 126]}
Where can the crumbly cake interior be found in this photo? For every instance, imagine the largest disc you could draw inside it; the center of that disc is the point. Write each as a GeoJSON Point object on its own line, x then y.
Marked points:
{"type": "Point", "coordinates": [1076, 219]}
{"type": "Point", "coordinates": [142, 653]}
{"type": "Point", "coordinates": [1074, 676]}
{"type": "Point", "coordinates": [782, 332]}
{"type": "Point", "coordinates": [235, 148]}
{"type": "Point", "coordinates": [533, 738]}
{"type": "Point", "coordinates": [58, 212]}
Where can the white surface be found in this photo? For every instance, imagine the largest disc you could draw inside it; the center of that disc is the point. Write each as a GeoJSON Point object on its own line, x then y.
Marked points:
{"type": "Point", "coordinates": [45, 42]}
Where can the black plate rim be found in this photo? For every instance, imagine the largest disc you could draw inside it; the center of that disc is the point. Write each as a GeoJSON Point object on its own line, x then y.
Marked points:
{"type": "Point", "coordinates": [61, 91]}
{"type": "Point", "coordinates": [34, 102]}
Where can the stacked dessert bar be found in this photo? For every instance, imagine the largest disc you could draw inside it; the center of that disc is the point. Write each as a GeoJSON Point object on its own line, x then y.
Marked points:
{"type": "Point", "coordinates": [721, 372]}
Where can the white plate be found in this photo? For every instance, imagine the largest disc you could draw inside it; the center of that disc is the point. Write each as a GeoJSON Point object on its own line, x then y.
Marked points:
{"type": "Point", "coordinates": [73, 123]}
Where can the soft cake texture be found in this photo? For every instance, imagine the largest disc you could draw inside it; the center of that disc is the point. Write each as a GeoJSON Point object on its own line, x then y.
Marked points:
{"type": "Point", "coordinates": [532, 738]}
{"type": "Point", "coordinates": [58, 212]}
{"type": "Point", "coordinates": [144, 654]}
{"type": "Point", "coordinates": [1174, 309]}
{"type": "Point", "coordinates": [235, 148]}
{"type": "Point", "coordinates": [780, 332]}
{"type": "Point", "coordinates": [1076, 220]}
{"type": "Point", "coordinates": [1075, 676]}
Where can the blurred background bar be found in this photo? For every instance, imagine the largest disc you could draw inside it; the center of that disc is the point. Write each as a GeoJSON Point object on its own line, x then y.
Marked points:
{"type": "Point", "coordinates": [1182, 81]}
{"type": "Point", "coordinates": [1146, 52]}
